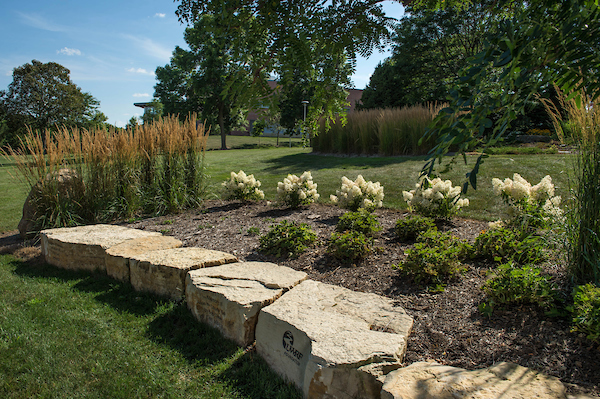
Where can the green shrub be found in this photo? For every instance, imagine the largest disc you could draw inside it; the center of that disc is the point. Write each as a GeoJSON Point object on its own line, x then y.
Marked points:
{"type": "Point", "coordinates": [512, 285]}
{"type": "Point", "coordinates": [586, 311]}
{"type": "Point", "coordinates": [410, 228]}
{"type": "Point", "coordinates": [503, 244]}
{"type": "Point", "coordinates": [435, 259]}
{"type": "Point", "coordinates": [361, 221]}
{"type": "Point", "coordinates": [253, 231]}
{"type": "Point", "coordinates": [287, 239]}
{"type": "Point", "coordinates": [349, 245]}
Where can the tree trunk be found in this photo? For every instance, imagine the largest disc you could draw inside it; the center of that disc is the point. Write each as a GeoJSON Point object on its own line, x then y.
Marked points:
{"type": "Point", "coordinates": [222, 126]}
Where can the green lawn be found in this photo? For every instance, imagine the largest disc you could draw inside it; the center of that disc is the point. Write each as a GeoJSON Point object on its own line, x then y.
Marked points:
{"type": "Point", "coordinates": [76, 335]}
{"type": "Point", "coordinates": [271, 164]}
{"type": "Point", "coordinates": [396, 174]}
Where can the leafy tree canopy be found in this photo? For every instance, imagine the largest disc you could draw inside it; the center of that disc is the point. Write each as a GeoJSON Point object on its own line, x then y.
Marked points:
{"type": "Point", "coordinates": [217, 76]}
{"type": "Point", "coordinates": [544, 42]}
{"type": "Point", "coordinates": [42, 96]}
{"type": "Point", "coordinates": [307, 43]}
{"type": "Point", "coordinates": [429, 49]}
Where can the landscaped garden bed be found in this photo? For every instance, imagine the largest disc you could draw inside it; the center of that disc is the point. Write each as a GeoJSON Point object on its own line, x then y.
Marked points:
{"type": "Point", "coordinates": [449, 327]}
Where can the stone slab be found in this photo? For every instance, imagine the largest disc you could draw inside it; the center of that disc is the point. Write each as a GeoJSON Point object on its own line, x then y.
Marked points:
{"type": "Point", "coordinates": [163, 272]}
{"type": "Point", "coordinates": [333, 342]}
{"type": "Point", "coordinates": [117, 257]}
{"type": "Point", "coordinates": [502, 380]}
{"type": "Point", "coordinates": [229, 297]}
{"type": "Point", "coordinates": [84, 247]}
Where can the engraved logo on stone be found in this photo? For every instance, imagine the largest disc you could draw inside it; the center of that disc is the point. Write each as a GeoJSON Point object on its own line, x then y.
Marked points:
{"type": "Point", "coordinates": [291, 352]}
{"type": "Point", "coordinates": [288, 340]}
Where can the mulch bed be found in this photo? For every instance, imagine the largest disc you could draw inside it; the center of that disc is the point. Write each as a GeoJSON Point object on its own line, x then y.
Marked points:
{"type": "Point", "coordinates": [448, 327]}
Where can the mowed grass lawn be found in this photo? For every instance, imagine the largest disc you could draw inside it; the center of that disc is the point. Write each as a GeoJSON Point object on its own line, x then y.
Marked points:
{"type": "Point", "coordinates": [272, 164]}
{"type": "Point", "coordinates": [79, 335]}
{"type": "Point", "coordinates": [76, 335]}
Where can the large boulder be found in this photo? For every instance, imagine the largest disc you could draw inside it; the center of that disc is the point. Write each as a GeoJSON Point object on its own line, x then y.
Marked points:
{"type": "Point", "coordinates": [84, 247]}
{"type": "Point", "coordinates": [502, 380]}
{"type": "Point", "coordinates": [65, 183]}
{"type": "Point", "coordinates": [163, 272]}
{"type": "Point", "coordinates": [117, 256]}
{"type": "Point", "coordinates": [229, 297]}
{"type": "Point", "coordinates": [332, 342]}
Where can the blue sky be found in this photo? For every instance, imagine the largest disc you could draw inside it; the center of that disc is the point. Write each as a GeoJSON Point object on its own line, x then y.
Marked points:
{"type": "Point", "coordinates": [112, 48]}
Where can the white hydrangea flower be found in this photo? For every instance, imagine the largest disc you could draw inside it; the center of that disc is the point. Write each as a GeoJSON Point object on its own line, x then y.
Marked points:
{"type": "Point", "coordinates": [434, 197]}
{"type": "Point", "coordinates": [527, 202]}
{"type": "Point", "coordinates": [242, 187]}
{"type": "Point", "coordinates": [295, 191]}
{"type": "Point", "coordinates": [352, 194]}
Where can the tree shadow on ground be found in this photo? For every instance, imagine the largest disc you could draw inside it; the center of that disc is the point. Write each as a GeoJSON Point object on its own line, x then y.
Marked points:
{"type": "Point", "coordinates": [313, 161]}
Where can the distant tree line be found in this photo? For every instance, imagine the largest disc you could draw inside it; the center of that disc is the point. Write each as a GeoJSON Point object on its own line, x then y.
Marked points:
{"type": "Point", "coordinates": [42, 96]}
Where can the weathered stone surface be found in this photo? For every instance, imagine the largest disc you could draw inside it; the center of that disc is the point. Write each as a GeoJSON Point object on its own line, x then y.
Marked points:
{"type": "Point", "coordinates": [163, 272]}
{"type": "Point", "coordinates": [117, 256]}
{"type": "Point", "coordinates": [229, 297]}
{"type": "Point", "coordinates": [502, 380]}
{"type": "Point", "coordinates": [332, 342]}
{"type": "Point", "coordinates": [84, 247]}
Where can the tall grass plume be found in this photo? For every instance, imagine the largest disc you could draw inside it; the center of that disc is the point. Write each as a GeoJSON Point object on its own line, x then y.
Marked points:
{"type": "Point", "coordinates": [87, 176]}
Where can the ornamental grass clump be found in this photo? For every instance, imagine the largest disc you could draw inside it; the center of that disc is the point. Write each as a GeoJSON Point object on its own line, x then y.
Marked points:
{"type": "Point", "coordinates": [359, 194]}
{"type": "Point", "coordinates": [242, 187]}
{"type": "Point", "coordinates": [295, 191]}
{"type": "Point", "coordinates": [435, 198]}
{"type": "Point", "coordinates": [530, 207]}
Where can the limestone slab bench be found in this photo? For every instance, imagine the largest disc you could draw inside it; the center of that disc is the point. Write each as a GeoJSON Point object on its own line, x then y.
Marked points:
{"type": "Point", "coordinates": [332, 342]}
{"type": "Point", "coordinates": [163, 272]}
{"type": "Point", "coordinates": [229, 297]}
{"type": "Point", "coordinates": [118, 256]}
{"type": "Point", "coordinates": [84, 247]}
{"type": "Point", "coordinates": [502, 380]}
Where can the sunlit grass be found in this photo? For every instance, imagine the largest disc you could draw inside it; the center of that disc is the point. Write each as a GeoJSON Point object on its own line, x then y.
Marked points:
{"type": "Point", "coordinates": [76, 335]}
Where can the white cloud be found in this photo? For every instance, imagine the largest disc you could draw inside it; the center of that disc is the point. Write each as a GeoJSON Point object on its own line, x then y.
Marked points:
{"type": "Point", "coordinates": [40, 22]}
{"type": "Point", "coordinates": [153, 49]}
{"type": "Point", "coordinates": [142, 95]}
{"type": "Point", "coordinates": [68, 51]}
{"type": "Point", "coordinates": [160, 15]}
{"type": "Point", "coordinates": [140, 70]}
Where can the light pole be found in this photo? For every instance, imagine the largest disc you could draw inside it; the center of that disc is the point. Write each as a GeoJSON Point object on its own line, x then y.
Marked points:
{"type": "Point", "coordinates": [305, 103]}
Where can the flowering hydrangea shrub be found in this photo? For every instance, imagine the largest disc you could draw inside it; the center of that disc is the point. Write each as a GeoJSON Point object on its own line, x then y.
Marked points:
{"type": "Point", "coordinates": [242, 187]}
{"type": "Point", "coordinates": [358, 194]}
{"type": "Point", "coordinates": [295, 191]}
{"type": "Point", "coordinates": [435, 198]}
{"type": "Point", "coordinates": [530, 205]}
